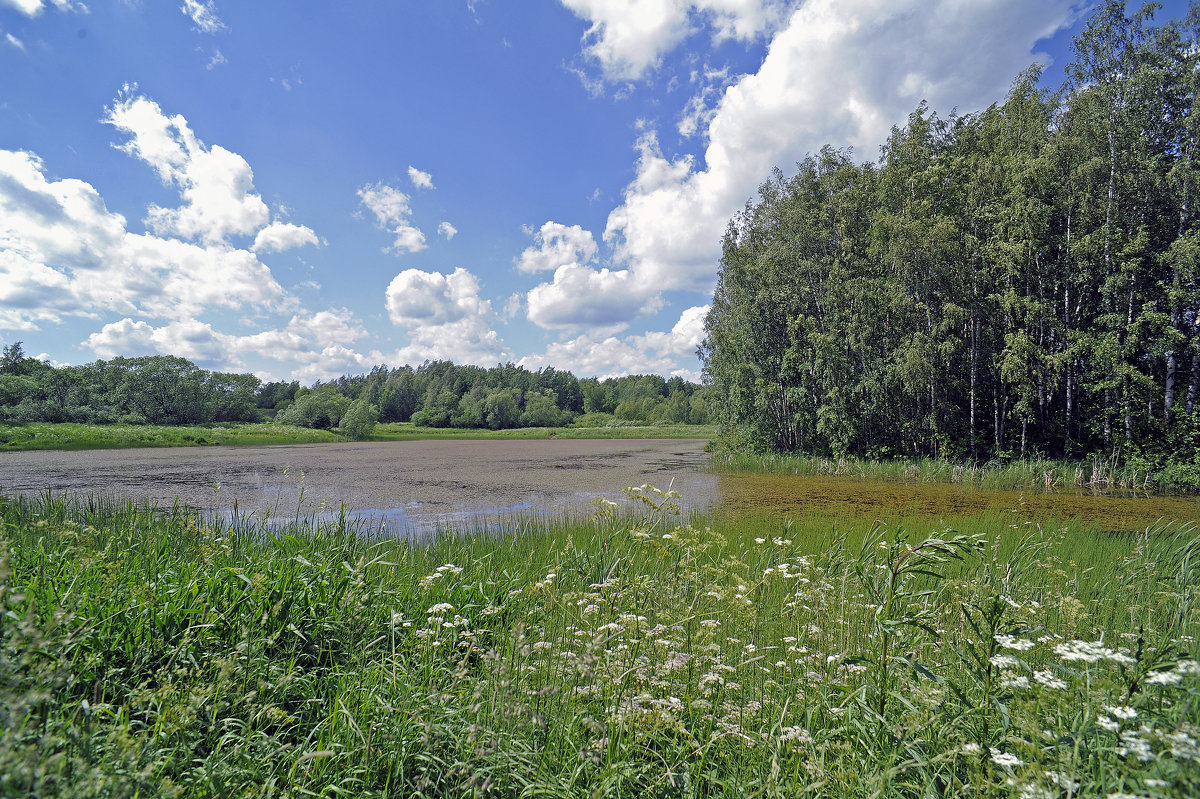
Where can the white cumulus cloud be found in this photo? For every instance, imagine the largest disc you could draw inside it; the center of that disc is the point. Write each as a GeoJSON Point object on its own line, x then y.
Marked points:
{"type": "Point", "coordinates": [444, 316]}
{"type": "Point", "coordinates": [556, 245]}
{"type": "Point", "coordinates": [422, 180]}
{"type": "Point", "coordinates": [312, 345]}
{"type": "Point", "coordinates": [216, 185]}
{"type": "Point", "coordinates": [627, 38]}
{"type": "Point", "coordinates": [661, 352]}
{"type": "Point", "coordinates": [582, 297]}
{"type": "Point", "coordinates": [280, 236]}
{"type": "Point", "coordinates": [447, 230]}
{"type": "Point", "coordinates": [63, 253]}
{"type": "Point", "coordinates": [393, 213]}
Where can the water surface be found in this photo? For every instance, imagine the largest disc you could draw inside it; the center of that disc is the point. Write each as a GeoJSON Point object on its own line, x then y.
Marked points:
{"type": "Point", "coordinates": [415, 485]}
{"type": "Point", "coordinates": [424, 485]}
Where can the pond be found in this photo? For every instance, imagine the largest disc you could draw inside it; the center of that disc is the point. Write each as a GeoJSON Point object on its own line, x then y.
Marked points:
{"type": "Point", "coordinates": [419, 486]}
{"type": "Point", "coordinates": [407, 485]}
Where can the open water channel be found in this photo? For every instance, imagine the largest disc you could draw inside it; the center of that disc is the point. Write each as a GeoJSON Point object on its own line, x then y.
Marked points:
{"type": "Point", "coordinates": [420, 486]}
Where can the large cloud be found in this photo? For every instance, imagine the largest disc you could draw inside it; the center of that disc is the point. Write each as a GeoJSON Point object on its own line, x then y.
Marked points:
{"type": "Point", "coordinates": [216, 185]}
{"type": "Point", "coordinates": [661, 352]}
{"type": "Point", "coordinates": [445, 318]}
{"type": "Point", "coordinates": [839, 72]}
{"type": "Point", "coordinates": [629, 37]}
{"type": "Point", "coordinates": [63, 253]}
{"type": "Point", "coordinates": [580, 297]}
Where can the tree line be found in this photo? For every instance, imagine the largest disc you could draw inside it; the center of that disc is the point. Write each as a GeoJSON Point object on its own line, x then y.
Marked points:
{"type": "Point", "coordinates": [161, 389]}
{"type": "Point", "coordinates": [1013, 282]}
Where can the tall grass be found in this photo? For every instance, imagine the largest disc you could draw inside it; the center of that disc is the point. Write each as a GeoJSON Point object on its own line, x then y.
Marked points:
{"type": "Point", "coordinates": [1033, 473]}
{"type": "Point", "coordinates": [148, 653]}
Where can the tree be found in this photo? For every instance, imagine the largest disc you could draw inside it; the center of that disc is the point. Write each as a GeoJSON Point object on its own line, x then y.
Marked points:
{"type": "Point", "coordinates": [359, 420]}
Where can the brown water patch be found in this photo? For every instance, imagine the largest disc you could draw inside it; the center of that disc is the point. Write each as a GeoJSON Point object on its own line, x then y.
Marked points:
{"type": "Point", "coordinates": [857, 498]}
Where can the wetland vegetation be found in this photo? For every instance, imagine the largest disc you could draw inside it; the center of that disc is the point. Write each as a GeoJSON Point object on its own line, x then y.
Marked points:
{"type": "Point", "coordinates": [635, 653]}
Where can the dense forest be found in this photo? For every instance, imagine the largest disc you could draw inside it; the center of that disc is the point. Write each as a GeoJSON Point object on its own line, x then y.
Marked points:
{"type": "Point", "coordinates": [1014, 282]}
{"type": "Point", "coordinates": [162, 389]}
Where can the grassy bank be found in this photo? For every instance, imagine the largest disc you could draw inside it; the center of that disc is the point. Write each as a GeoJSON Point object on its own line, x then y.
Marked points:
{"type": "Point", "coordinates": [1034, 473]}
{"type": "Point", "coordinates": [70, 436]}
{"type": "Point", "coordinates": [158, 655]}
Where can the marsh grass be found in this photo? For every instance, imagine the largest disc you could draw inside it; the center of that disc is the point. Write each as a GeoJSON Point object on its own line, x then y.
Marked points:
{"type": "Point", "coordinates": [1035, 473]}
{"type": "Point", "coordinates": [147, 653]}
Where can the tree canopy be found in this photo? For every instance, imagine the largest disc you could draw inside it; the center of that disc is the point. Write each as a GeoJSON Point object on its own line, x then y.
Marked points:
{"type": "Point", "coordinates": [1022, 279]}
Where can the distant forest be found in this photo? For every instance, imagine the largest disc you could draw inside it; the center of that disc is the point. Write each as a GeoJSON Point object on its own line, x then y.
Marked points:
{"type": "Point", "coordinates": [1014, 282]}
{"type": "Point", "coordinates": [169, 390]}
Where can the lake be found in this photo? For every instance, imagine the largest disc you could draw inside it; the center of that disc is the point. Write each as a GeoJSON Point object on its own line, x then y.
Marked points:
{"type": "Point", "coordinates": [420, 486]}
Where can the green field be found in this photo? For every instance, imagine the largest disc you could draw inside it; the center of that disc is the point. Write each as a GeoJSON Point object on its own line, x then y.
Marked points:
{"type": "Point", "coordinates": [627, 655]}
{"type": "Point", "coordinates": [70, 436]}
{"type": "Point", "coordinates": [404, 431]}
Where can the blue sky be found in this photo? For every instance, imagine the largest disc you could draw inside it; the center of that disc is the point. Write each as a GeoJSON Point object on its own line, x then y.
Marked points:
{"type": "Point", "coordinates": [305, 189]}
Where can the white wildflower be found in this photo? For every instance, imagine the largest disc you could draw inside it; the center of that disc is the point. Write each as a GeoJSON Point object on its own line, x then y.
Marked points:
{"type": "Point", "coordinates": [1014, 681]}
{"type": "Point", "coordinates": [1124, 712]}
{"type": "Point", "coordinates": [1164, 678]}
{"type": "Point", "coordinates": [1012, 642]}
{"type": "Point", "coordinates": [1006, 760]}
{"type": "Point", "coordinates": [1047, 678]}
{"type": "Point", "coordinates": [1107, 724]}
{"type": "Point", "coordinates": [1005, 661]}
{"type": "Point", "coordinates": [441, 607]}
{"type": "Point", "coordinates": [797, 734]}
{"type": "Point", "coordinates": [1134, 744]}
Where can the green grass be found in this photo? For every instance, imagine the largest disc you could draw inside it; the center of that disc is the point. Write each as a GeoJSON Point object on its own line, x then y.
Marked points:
{"type": "Point", "coordinates": [70, 436]}
{"type": "Point", "coordinates": [639, 654]}
{"type": "Point", "coordinates": [1034, 473]}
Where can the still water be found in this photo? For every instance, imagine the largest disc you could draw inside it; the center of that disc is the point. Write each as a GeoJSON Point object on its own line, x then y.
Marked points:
{"type": "Point", "coordinates": [418, 486]}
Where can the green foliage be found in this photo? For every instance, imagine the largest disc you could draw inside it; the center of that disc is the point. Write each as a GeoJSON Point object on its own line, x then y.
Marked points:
{"type": "Point", "coordinates": [321, 409]}
{"type": "Point", "coordinates": [157, 654]}
{"type": "Point", "coordinates": [359, 420]}
{"type": "Point", "coordinates": [1013, 283]}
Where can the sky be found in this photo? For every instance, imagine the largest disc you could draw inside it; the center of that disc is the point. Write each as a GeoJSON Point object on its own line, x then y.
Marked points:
{"type": "Point", "coordinates": [304, 189]}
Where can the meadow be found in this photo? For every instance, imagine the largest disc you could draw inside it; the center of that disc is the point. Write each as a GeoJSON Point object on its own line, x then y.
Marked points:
{"type": "Point", "coordinates": [72, 436]}
{"type": "Point", "coordinates": [635, 652]}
